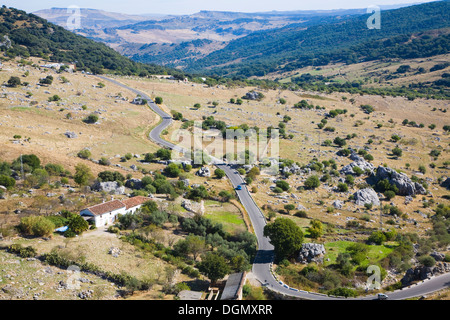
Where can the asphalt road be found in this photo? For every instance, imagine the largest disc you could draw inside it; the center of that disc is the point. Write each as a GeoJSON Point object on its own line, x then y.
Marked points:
{"type": "Point", "coordinates": [265, 255]}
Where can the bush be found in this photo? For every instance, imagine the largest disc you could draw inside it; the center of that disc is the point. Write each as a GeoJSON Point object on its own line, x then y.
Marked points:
{"type": "Point", "coordinates": [23, 252]}
{"type": "Point", "coordinates": [427, 261]}
{"type": "Point", "coordinates": [92, 118]}
{"type": "Point", "coordinates": [158, 100]}
{"type": "Point", "coordinates": [36, 226]}
{"type": "Point", "coordinates": [301, 214]}
{"type": "Point", "coordinates": [343, 292]}
{"type": "Point", "coordinates": [84, 154]}
{"type": "Point", "coordinates": [312, 182]}
{"type": "Point", "coordinates": [377, 237]}
{"type": "Point", "coordinates": [342, 187]}
{"type": "Point", "coordinates": [283, 185]}
{"type": "Point", "coordinates": [14, 81]}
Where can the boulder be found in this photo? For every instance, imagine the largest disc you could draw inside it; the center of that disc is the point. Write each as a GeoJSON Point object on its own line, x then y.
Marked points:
{"type": "Point", "coordinates": [357, 162]}
{"type": "Point", "coordinates": [367, 195]}
{"type": "Point", "coordinates": [404, 184]}
{"type": "Point", "coordinates": [204, 172]}
{"type": "Point", "coordinates": [134, 184]}
{"type": "Point", "coordinates": [338, 204]}
{"type": "Point", "coordinates": [111, 187]}
{"type": "Point", "coordinates": [71, 135]}
{"type": "Point", "coordinates": [194, 207]}
{"type": "Point", "coordinates": [311, 252]}
{"type": "Point", "coordinates": [446, 183]}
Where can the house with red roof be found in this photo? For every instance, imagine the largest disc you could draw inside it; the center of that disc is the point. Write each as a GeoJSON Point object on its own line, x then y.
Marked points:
{"type": "Point", "coordinates": [107, 212]}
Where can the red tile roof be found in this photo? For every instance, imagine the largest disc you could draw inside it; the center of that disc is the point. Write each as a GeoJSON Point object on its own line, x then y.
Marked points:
{"type": "Point", "coordinates": [135, 201]}
{"type": "Point", "coordinates": [106, 207]}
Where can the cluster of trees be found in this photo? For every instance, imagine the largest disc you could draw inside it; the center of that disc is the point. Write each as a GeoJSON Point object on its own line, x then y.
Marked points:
{"type": "Point", "coordinates": [40, 226]}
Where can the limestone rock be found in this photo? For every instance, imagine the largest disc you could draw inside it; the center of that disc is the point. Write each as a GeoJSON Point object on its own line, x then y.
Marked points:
{"type": "Point", "coordinates": [204, 172]}
{"type": "Point", "coordinates": [367, 195]}
{"type": "Point", "coordinates": [311, 252]}
{"type": "Point", "coordinates": [404, 184]}
{"type": "Point", "coordinates": [111, 187]}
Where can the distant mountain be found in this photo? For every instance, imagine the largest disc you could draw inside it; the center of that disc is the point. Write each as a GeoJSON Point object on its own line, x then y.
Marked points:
{"type": "Point", "coordinates": [91, 18]}
{"type": "Point", "coordinates": [31, 35]}
{"type": "Point", "coordinates": [175, 39]}
{"type": "Point", "coordinates": [335, 39]}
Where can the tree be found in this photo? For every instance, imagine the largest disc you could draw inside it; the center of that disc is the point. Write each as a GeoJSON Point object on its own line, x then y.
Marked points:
{"type": "Point", "coordinates": [377, 237]}
{"type": "Point", "coordinates": [397, 152]}
{"type": "Point", "coordinates": [158, 100]}
{"type": "Point", "coordinates": [214, 267]}
{"type": "Point", "coordinates": [340, 142]}
{"type": "Point", "coordinates": [316, 229]}
{"type": "Point", "coordinates": [289, 208]}
{"type": "Point", "coordinates": [312, 182]}
{"type": "Point", "coordinates": [172, 170]}
{"type": "Point", "coordinates": [14, 81]}
{"type": "Point", "coordinates": [164, 154]}
{"type": "Point", "coordinates": [285, 236]}
{"type": "Point", "coordinates": [92, 118]}
{"type": "Point", "coordinates": [83, 174]}
{"type": "Point", "coordinates": [77, 224]}
{"type": "Point", "coordinates": [220, 173]}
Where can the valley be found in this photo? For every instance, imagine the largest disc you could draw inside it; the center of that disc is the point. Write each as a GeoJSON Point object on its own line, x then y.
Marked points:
{"type": "Point", "coordinates": [361, 178]}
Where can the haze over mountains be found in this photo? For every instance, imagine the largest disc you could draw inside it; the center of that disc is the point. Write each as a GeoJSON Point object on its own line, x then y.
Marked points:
{"type": "Point", "coordinates": [248, 44]}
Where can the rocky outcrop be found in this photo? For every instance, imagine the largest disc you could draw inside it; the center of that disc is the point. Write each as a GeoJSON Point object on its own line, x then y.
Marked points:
{"type": "Point", "coordinates": [253, 95]}
{"type": "Point", "coordinates": [367, 195]}
{"type": "Point", "coordinates": [204, 172]}
{"type": "Point", "coordinates": [111, 187]}
{"type": "Point", "coordinates": [311, 252]}
{"type": "Point", "coordinates": [357, 162]}
{"type": "Point", "coordinates": [423, 273]}
{"type": "Point", "coordinates": [337, 204]}
{"type": "Point", "coordinates": [194, 207]}
{"type": "Point", "coordinates": [404, 184]}
{"type": "Point", "coordinates": [134, 184]}
{"type": "Point", "coordinates": [446, 183]}
{"type": "Point", "coordinates": [71, 135]}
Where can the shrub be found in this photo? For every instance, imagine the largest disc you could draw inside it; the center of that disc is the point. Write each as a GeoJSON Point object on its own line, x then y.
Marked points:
{"type": "Point", "coordinates": [158, 100]}
{"type": "Point", "coordinates": [23, 252]}
{"type": "Point", "coordinates": [84, 154]}
{"type": "Point", "coordinates": [343, 292]}
{"type": "Point", "coordinates": [92, 118]}
{"type": "Point", "coordinates": [427, 261]}
{"type": "Point", "coordinates": [282, 185]}
{"type": "Point", "coordinates": [36, 226]}
{"type": "Point", "coordinates": [312, 182]}
{"type": "Point", "coordinates": [342, 187]}
{"type": "Point", "coordinates": [377, 237]}
{"type": "Point", "coordinates": [14, 81]}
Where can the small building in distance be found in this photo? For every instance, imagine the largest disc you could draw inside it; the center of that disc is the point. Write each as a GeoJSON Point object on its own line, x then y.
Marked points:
{"type": "Point", "coordinates": [106, 213]}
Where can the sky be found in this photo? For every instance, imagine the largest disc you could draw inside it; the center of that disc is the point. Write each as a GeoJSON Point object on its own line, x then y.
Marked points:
{"type": "Point", "coordinates": [193, 6]}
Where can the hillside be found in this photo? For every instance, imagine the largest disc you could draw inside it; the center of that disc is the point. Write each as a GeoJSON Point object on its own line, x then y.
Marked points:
{"type": "Point", "coordinates": [31, 35]}
{"type": "Point", "coordinates": [176, 39]}
{"type": "Point", "coordinates": [346, 41]}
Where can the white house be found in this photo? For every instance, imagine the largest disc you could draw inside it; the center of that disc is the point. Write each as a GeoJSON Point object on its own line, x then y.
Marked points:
{"type": "Point", "coordinates": [106, 213]}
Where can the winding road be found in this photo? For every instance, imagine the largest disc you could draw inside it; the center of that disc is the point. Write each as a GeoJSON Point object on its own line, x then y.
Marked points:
{"type": "Point", "coordinates": [263, 261]}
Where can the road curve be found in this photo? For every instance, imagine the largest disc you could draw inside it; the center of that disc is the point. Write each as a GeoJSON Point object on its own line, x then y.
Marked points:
{"type": "Point", "coordinates": [262, 264]}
